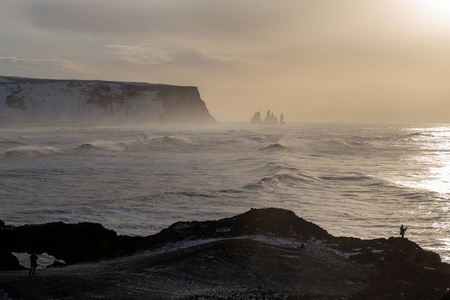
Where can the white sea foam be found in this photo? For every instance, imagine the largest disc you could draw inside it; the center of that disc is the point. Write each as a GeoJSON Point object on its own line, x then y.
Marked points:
{"type": "Point", "coordinates": [174, 140]}
{"type": "Point", "coordinates": [32, 151]}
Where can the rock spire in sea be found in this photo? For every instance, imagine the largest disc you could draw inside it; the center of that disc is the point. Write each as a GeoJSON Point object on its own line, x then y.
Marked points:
{"type": "Point", "coordinates": [270, 119]}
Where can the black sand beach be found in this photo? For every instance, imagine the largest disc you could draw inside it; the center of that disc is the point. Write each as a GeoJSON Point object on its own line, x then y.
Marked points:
{"type": "Point", "coordinates": [261, 254]}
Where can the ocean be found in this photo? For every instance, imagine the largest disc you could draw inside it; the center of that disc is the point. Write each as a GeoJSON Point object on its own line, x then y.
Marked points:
{"type": "Point", "coordinates": [353, 180]}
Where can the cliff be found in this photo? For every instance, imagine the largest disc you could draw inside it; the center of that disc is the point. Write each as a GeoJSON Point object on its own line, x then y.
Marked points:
{"type": "Point", "coordinates": [95, 101]}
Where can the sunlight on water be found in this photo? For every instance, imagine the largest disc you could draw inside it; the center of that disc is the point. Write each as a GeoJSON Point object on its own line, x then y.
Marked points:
{"type": "Point", "coordinates": [434, 159]}
{"type": "Point", "coordinates": [436, 177]}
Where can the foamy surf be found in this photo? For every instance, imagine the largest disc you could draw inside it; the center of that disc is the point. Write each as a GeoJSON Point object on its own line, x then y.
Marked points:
{"type": "Point", "coordinates": [366, 180]}
{"type": "Point", "coordinates": [32, 151]}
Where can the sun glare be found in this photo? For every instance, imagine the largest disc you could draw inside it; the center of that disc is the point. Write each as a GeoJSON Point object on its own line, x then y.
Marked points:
{"type": "Point", "coordinates": [435, 8]}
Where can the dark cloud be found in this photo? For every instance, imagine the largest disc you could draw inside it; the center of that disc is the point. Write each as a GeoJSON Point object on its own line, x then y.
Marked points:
{"type": "Point", "coordinates": [211, 19]}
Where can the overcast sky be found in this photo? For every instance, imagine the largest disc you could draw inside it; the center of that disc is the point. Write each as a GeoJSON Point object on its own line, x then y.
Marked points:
{"type": "Point", "coordinates": [312, 60]}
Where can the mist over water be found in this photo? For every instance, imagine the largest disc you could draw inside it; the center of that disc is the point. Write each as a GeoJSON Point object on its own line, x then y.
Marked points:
{"type": "Point", "coordinates": [353, 180]}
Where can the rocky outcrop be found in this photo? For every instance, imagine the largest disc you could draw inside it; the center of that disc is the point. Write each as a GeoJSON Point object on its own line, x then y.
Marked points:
{"type": "Point", "coordinates": [8, 261]}
{"type": "Point", "coordinates": [263, 253]}
{"type": "Point", "coordinates": [69, 242]}
{"type": "Point", "coordinates": [267, 221]}
{"type": "Point", "coordinates": [256, 120]}
{"type": "Point", "coordinates": [282, 122]}
{"type": "Point", "coordinates": [81, 242]}
{"type": "Point", "coordinates": [95, 101]}
{"type": "Point", "coordinates": [270, 119]}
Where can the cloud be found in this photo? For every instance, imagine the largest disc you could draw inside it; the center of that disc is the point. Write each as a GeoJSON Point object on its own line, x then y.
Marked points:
{"type": "Point", "coordinates": [214, 20]}
{"type": "Point", "coordinates": [141, 54]}
{"type": "Point", "coordinates": [56, 64]}
{"type": "Point", "coordinates": [178, 57]}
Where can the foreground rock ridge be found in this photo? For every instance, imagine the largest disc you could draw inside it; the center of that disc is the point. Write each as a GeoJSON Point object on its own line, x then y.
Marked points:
{"type": "Point", "coordinates": [96, 101]}
{"type": "Point", "coordinates": [261, 254]}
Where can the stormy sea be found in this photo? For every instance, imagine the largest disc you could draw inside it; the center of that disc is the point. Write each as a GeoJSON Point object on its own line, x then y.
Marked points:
{"type": "Point", "coordinates": [352, 180]}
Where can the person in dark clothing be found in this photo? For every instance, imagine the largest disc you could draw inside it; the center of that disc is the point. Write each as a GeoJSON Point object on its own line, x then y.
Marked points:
{"type": "Point", "coordinates": [33, 263]}
{"type": "Point", "coordinates": [402, 231]}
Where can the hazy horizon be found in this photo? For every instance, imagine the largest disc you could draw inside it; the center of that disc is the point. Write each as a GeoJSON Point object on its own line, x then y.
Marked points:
{"type": "Point", "coordinates": [349, 61]}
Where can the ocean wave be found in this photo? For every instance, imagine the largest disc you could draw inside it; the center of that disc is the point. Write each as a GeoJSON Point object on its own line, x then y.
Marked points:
{"type": "Point", "coordinates": [320, 146]}
{"type": "Point", "coordinates": [174, 140]}
{"type": "Point", "coordinates": [270, 168]}
{"type": "Point", "coordinates": [193, 194]}
{"type": "Point", "coordinates": [420, 133]}
{"type": "Point", "coordinates": [414, 196]}
{"type": "Point", "coordinates": [31, 151]}
{"type": "Point", "coordinates": [353, 177]}
{"type": "Point", "coordinates": [102, 145]}
{"type": "Point", "coordinates": [230, 191]}
{"type": "Point", "coordinates": [178, 195]}
{"type": "Point", "coordinates": [9, 141]}
{"type": "Point", "coordinates": [85, 146]}
{"type": "Point", "coordinates": [274, 147]}
{"type": "Point", "coordinates": [337, 147]}
{"type": "Point", "coordinates": [280, 180]}
{"type": "Point", "coordinates": [257, 139]}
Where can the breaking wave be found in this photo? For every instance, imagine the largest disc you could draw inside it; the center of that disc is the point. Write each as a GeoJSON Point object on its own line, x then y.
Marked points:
{"type": "Point", "coordinates": [336, 147]}
{"type": "Point", "coordinates": [269, 168]}
{"type": "Point", "coordinates": [274, 147]}
{"type": "Point", "coordinates": [174, 140]}
{"type": "Point", "coordinates": [287, 179]}
{"type": "Point", "coordinates": [102, 145]}
{"type": "Point", "coordinates": [32, 151]}
{"type": "Point", "coordinates": [353, 177]}
{"type": "Point", "coordinates": [283, 180]}
{"type": "Point", "coordinates": [9, 141]}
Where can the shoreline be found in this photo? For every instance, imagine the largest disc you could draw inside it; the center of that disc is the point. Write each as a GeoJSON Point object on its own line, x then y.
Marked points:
{"type": "Point", "coordinates": [257, 254]}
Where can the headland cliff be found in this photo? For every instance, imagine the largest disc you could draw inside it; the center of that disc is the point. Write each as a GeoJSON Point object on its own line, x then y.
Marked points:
{"type": "Point", "coordinates": [29, 100]}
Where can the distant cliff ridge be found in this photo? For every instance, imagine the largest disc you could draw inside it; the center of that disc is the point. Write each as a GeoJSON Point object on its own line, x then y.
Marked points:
{"type": "Point", "coordinates": [95, 101]}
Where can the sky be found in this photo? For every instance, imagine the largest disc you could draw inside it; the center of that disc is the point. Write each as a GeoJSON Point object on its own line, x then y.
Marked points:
{"type": "Point", "coordinates": [351, 61]}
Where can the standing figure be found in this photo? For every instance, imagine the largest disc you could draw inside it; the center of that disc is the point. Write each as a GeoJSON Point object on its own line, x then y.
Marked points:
{"type": "Point", "coordinates": [33, 263]}
{"type": "Point", "coordinates": [402, 231]}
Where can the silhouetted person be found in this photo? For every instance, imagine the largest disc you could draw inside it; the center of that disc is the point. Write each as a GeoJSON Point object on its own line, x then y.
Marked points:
{"type": "Point", "coordinates": [33, 263]}
{"type": "Point", "coordinates": [402, 231]}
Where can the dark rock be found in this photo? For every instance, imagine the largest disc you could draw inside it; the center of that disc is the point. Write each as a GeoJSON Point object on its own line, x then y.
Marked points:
{"type": "Point", "coordinates": [9, 262]}
{"type": "Point", "coordinates": [266, 221]}
{"type": "Point", "coordinates": [70, 242]}
{"type": "Point", "coordinates": [80, 242]}
{"type": "Point", "coordinates": [270, 119]}
{"type": "Point", "coordinates": [56, 264]}
{"type": "Point", "coordinates": [182, 105]}
{"type": "Point", "coordinates": [231, 265]}
{"type": "Point", "coordinates": [256, 119]}
{"type": "Point", "coordinates": [282, 122]}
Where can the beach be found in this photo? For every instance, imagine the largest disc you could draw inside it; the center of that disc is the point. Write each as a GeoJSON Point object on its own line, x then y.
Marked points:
{"type": "Point", "coordinates": [288, 258]}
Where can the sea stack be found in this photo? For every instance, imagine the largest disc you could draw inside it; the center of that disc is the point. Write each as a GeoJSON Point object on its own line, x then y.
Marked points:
{"type": "Point", "coordinates": [270, 119]}
{"type": "Point", "coordinates": [256, 119]}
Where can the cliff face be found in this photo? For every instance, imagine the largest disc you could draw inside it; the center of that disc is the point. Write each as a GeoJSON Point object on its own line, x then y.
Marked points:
{"type": "Point", "coordinates": [44, 100]}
